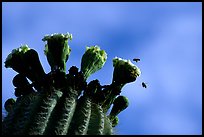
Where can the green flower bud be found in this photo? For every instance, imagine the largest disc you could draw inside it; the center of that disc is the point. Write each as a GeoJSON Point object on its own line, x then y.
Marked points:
{"type": "Point", "coordinates": [9, 104]}
{"type": "Point", "coordinates": [20, 81]}
{"type": "Point", "coordinates": [18, 92]}
{"type": "Point", "coordinates": [119, 104]}
{"type": "Point", "coordinates": [73, 70]}
{"type": "Point", "coordinates": [124, 71]}
{"type": "Point", "coordinates": [57, 50]}
{"type": "Point", "coordinates": [93, 60]}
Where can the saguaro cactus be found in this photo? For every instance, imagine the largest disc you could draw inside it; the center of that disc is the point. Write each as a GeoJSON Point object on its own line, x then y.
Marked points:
{"type": "Point", "coordinates": [60, 102]}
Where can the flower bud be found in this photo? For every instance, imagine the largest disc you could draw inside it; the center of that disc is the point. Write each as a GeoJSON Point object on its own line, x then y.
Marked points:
{"type": "Point", "coordinates": [9, 104]}
{"type": "Point", "coordinates": [20, 81]}
{"type": "Point", "coordinates": [119, 104]}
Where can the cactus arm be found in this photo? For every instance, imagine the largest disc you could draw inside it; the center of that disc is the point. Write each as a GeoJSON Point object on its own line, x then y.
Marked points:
{"type": "Point", "coordinates": [65, 108]}
{"type": "Point", "coordinates": [96, 124]}
{"type": "Point", "coordinates": [108, 129]}
{"type": "Point", "coordinates": [107, 103]}
{"type": "Point", "coordinates": [62, 115]}
{"type": "Point", "coordinates": [80, 122]}
{"type": "Point", "coordinates": [8, 122]}
{"type": "Point", "coordinates": [35, 68]}
{"type": "Point", "coordinates": [26, 61]}
{"type": "Point", "coordinates": [24, 114]}
{"type": "Point", "coordinates": [41, 112]}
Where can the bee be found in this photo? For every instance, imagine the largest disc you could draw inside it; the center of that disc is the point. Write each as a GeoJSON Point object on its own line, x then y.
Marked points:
{"type": "Point", "coordinates": [136, 59]}
{"type": "Point", "coordinates": [144, 85]}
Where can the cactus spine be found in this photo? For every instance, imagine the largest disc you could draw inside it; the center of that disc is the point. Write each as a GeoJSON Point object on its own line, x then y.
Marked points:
{"type": "Point", "coordinates": [60, 103]}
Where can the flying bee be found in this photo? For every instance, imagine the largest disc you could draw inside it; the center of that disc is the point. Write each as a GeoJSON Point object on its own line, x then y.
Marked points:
{"type": "Point", "coordinates": [144, 85]}
{"type": "Point", "coordinates": [136, 59]}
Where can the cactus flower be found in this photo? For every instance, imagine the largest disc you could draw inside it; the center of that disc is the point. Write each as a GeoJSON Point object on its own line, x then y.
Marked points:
{"type": "Point", "coordinates": [93, 60]}
{"type": "Point", "coordinates": [57, 50]}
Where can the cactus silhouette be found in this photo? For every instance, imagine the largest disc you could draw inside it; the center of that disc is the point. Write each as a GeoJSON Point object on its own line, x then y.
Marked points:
{"type": "Point", "coordinates": [60, 102]}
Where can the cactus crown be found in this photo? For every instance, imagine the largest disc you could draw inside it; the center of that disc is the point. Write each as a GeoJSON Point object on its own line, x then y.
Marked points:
{"type": "Point", "coordinates": [60, 103]}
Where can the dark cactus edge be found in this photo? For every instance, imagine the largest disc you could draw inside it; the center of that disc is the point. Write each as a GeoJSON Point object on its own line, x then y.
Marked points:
{"type": "Point", "coordinates": [60, 102]}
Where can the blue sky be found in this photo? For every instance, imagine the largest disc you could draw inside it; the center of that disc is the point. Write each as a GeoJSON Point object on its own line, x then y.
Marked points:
{"type": "Point", "coordinates": [167, 37]}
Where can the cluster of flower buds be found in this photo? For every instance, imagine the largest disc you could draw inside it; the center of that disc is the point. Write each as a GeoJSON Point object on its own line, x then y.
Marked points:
{"type": "Point", "coordinates": [23, 87]}
{"type": "Point", "coordinates": [26, 62]}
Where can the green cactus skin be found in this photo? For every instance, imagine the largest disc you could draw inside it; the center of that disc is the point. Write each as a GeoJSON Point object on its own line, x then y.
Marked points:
{"type": "Point", "coordinates": [96, 123]}
{"type": "Point", "coordinates": [79, 125]}
{"type": "Point", "coordinates": [108, 129]}
{"type": "Point", "coordinates": [62, 114]}
{"type": "Point", "coordinates": [40, 115]}
{"type": "Point", "coordinates": [8, 122]}
{"type": "Point", "coordinates": [57, 103]}
{"type": "Point", "coordinates": [24, 114]}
